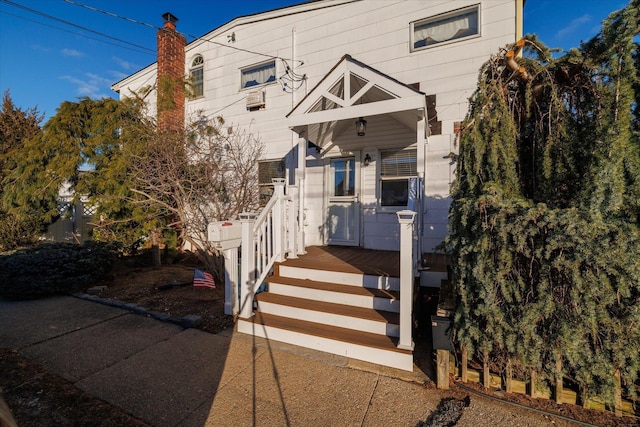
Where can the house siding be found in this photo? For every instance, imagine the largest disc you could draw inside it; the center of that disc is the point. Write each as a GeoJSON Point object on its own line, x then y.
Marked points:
{"type": "Point", "coordinates": [376, 33]}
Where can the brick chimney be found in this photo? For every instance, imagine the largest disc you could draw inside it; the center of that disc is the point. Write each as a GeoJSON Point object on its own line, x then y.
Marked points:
{"type": "Point", "coordinates": [170, 75]}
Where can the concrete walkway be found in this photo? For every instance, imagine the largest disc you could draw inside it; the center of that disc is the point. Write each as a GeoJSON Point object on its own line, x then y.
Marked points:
{"type": "Point", "coordinates": [170, 376]}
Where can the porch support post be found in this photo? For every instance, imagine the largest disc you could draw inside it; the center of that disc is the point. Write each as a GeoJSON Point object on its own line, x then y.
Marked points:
{"type": "Point", "coordinates": [301, 175]}
{"type": "Point", "coordinates": [231, 305]}
{"type": "Point", "coordinates": [279, 220]}
{"type": "Point", "coordinates": [406, 219]}
{"type": "Point", "coordinates": [247, 267]}
{"type": "Point", "coordinates": [292, 223]}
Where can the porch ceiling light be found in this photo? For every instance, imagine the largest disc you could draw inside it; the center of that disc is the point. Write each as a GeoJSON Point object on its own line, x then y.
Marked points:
{"type": "Point", "coordinates": [361, 126]}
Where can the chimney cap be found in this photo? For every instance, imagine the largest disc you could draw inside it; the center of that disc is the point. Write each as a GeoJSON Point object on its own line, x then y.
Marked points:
{"type": "Point", "coordinates": [169, 17]}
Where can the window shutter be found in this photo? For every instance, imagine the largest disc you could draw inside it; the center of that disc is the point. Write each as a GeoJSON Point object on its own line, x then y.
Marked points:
{"type": "Point", "coordinates": [399, 163]}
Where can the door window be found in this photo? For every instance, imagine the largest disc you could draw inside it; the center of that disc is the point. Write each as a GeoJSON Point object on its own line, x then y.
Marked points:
{"type": "Point", "coordinates": [344, 177]}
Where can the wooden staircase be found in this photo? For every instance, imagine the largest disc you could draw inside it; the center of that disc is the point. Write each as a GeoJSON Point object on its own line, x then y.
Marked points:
{"type": "Point", "coordinates": [350, 313]}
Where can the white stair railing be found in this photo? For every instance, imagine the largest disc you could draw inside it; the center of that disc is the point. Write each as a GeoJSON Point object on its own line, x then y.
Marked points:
{"type": "Point", "coordinates": [264, 242]}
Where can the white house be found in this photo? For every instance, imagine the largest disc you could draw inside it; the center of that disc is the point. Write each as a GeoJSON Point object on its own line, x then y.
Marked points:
{"type": "Point", "coordinates": [358, 102]}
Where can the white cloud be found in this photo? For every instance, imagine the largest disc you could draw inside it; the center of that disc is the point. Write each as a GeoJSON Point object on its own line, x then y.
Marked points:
{"type": "Point", "coordinates": [118, 75]}
{"type": "Point", "coordinates": [574, 25]}
{"type": "Point", "coordinates": [124, 64]}
{"type": "Point", "coordinates": [71, 52]}
{"type": "Point", "coordinates": [92, 85]}
{"type": "Point", "coordinates": [40, 48]}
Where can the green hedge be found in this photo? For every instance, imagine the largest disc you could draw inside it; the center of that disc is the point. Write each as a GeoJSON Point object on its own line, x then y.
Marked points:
{"type": "Point", "coordinates": [53, 269]}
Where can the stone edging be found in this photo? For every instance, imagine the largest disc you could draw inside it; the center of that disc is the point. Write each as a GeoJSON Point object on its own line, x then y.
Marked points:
{"type": "Point", "coordinates": [189, 321]}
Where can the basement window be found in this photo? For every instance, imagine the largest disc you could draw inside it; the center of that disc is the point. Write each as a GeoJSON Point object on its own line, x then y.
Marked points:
{"type": "Point", "coordinates": [257, 75]}
{"type": "Point", "coordinates": [451, 26]}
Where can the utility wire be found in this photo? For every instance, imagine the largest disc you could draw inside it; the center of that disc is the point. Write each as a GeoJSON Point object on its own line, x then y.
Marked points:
{"type": "Point", "coordinates": [227, 106]}
{"type": "Point", "coordinates": [37, 12]}
{"type": "Point", "coordinates": [72, 32]}
{"type": "Point", "coordinates": [115, 15]}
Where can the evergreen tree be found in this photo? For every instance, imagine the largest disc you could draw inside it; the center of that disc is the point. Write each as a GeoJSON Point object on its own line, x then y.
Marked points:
{"type": "Point", "coordinates": [545, 219]}
{"type": "Point", "coordinates": [16, 126]}
{"type": "Point", "coordinates": [85, 145]}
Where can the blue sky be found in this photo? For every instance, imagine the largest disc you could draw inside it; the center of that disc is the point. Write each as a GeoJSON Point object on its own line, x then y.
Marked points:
{"type": "Point", "coordinates": [44, 60]}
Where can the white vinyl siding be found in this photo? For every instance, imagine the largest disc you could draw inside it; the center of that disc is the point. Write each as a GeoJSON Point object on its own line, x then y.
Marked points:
{"type": "Point", "coordinates": [312, 37]}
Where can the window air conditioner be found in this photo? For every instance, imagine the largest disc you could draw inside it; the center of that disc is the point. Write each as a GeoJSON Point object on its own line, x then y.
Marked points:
{"type": "Point", "coordinates": [255, 99]}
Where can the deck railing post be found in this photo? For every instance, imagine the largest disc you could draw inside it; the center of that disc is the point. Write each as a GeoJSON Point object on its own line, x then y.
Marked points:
{"type": "Point", "coordinates": [406, 219]}
{"type": "Point", "coordinates": [279, 220]}
{"type": "Point", "coordinates": [247, 265]}
{"type": "Point", "coordinates": [292, 222]}
{"type": "Point", "coordinates": [231, 305]}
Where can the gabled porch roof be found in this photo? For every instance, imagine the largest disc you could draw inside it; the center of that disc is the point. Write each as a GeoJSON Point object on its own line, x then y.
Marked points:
{"type": "Point", "coordinates": [351, 90]}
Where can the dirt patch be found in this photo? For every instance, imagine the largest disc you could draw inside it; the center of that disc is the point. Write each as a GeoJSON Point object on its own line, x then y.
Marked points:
{"type": "Point", "coordinates": [39, 398]}
{"type": "Point", "coordinates": [575, 412]}
{"type": "Point", "coordinates": [168, 290]}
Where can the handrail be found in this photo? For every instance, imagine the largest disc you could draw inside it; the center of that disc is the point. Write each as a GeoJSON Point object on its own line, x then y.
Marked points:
{"type": "Point", "coordinates": [263, 244]}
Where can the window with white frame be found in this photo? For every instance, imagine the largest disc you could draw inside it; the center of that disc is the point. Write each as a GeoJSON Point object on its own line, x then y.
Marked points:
{"type": "Point", "coordinates": [196, 73]}
{"type": "Point", "coordinates": [257, 75]}
{"type": "Point", "coordinates": [456, 25]}
{"type": "Point", "coordinates": [396, 167]}
{"type": "Point", "coordinates": [267, 170]}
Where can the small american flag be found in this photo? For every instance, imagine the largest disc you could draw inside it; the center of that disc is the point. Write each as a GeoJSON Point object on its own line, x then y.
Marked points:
{"type": "Point", "coordinates": [202, 279]}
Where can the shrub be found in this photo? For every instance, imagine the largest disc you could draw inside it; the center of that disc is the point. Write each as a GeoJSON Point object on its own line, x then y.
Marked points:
{"type": "Point", "coordinates": [53, 269]}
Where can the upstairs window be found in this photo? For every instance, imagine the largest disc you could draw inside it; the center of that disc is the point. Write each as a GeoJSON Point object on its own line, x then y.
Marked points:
{"type": "Point", "coordinates": [197, 76]}
{"type": "Point", "coordinates": [257, 75]}
{"type": "Point", "coordinates": [456, 25]}
{"type": "Point", "coordinates": [396, 167]}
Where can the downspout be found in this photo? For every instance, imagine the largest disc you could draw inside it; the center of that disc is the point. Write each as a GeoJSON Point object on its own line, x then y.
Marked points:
{"type": "Point", "coordinates": [519, 19]}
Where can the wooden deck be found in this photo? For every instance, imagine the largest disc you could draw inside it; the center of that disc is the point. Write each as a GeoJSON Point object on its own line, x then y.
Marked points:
{"type": "Point", "coordinates": [362, 261]}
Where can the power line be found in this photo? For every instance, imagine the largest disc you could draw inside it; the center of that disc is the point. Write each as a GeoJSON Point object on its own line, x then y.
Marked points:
{"type": "Point", "coordinates": [115, 15]}
{"type": "Point", "coordinates": [71, 32]}
{"type": "Point", "coordinates": [37, 12]}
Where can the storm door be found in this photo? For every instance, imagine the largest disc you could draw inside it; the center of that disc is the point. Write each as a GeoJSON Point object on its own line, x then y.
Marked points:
{"type": "Point", "coordinates": [343, 216]}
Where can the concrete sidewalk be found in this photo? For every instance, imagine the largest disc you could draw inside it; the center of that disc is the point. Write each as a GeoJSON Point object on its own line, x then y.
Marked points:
{"type": "Point", "coordinates": [170, 376]}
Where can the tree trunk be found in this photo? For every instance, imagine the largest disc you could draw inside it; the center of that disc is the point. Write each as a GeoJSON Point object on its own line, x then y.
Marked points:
{"type": "Point", "coordinates": [155, 249]}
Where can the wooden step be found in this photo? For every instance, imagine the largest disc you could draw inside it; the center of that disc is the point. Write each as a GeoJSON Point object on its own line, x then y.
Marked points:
{"type": "Point", "coordinates": [329, 313]}
{"type": "Point", "coordinates": [338, 309]}
{"type": "Point", "coordinates": [350, 336]}
{"type": "Point", "coordinates": [340, 277]}
{"type": "Point", "coordinates": [333, 293]}
{"type": "Point", "coordinates": [334, 287]}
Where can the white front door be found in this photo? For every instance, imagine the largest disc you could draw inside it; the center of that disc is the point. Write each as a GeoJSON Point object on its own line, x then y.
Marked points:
{"type": "Point", "coordinates": [343, 213]}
